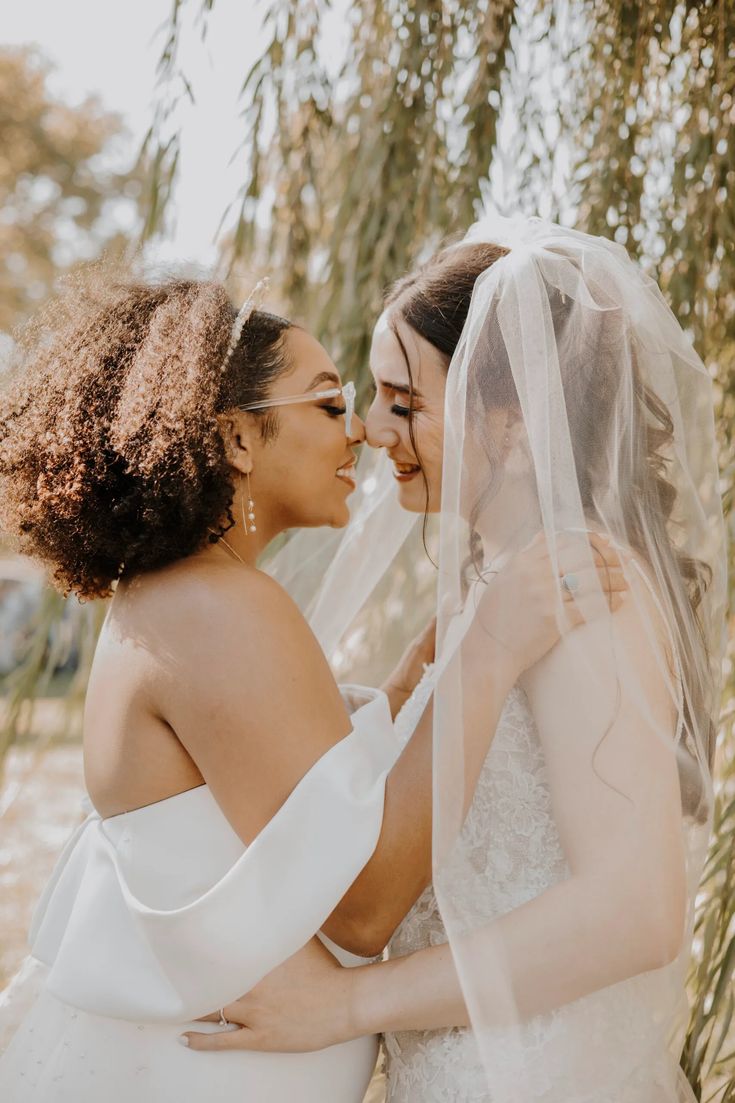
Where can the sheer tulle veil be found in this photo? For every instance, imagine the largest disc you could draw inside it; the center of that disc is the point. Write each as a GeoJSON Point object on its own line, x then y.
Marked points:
{"type": "Point", "coordinates": [614, 432]}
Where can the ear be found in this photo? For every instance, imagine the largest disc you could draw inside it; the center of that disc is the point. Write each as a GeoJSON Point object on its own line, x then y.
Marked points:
{"type": "Point", "coordinates": [514, 427]}
{"type": "Point", "coordinates": [515, 443]}
{"type": "Point", "coordinates": [238, 437]}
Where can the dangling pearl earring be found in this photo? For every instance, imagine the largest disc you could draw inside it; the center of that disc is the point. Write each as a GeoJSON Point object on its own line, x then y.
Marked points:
{"type": "Point", "coordinates": [249, 525]}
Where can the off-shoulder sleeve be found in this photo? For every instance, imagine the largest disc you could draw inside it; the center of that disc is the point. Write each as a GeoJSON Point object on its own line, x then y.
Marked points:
{"type": "Point", "coordinates": [112, 954]}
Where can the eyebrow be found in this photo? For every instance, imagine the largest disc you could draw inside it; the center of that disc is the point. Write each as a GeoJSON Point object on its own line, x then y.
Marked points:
{"type": "Point", "coordinates": [401, 388]}
{"type": "Point", "coordinates": [324, 377]}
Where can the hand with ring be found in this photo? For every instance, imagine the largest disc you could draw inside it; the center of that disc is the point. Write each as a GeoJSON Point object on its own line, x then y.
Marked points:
{"type": "Point", "coordinates": [528, 603]}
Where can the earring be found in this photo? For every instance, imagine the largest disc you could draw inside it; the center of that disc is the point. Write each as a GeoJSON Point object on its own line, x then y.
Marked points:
{"type": "Point", "coordinates": [249, 525]}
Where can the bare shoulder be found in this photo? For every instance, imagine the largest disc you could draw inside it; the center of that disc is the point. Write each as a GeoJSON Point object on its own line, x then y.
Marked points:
{"type": "Point", "coordinates": [242, 682]}
{"type": "Point", "coordinates": [206, 629]}
{"type": "Point", "coordinates": [197, 603]}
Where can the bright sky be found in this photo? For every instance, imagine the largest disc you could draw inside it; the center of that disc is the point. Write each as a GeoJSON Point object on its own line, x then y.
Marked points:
{"type": "Point", "coordinates": [111, 49]}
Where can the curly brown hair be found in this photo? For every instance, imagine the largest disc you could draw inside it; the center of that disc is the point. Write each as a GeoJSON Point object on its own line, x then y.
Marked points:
{"type": "Point", "coordinates": [112, 459]}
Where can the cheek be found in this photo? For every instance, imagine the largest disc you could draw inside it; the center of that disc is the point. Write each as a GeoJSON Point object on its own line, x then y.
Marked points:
{"type": "Point", "coordinates": [314, 455]}
{"type": "Point", "coordinates": [429, 436]}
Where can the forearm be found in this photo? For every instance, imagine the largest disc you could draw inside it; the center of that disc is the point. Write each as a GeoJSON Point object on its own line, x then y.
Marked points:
{"type": "Point", "coordinates": [420, 991]}
{"type": "Point", "coordinates": [572, 940]}
{"type": "Point", "coordinates": [400, 867]}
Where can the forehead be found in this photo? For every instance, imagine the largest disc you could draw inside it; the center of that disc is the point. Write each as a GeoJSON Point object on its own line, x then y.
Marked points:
{"type": "Point", "coordinates": [307, 360]}
{"type": "Point", "coordinates": [388, 358]}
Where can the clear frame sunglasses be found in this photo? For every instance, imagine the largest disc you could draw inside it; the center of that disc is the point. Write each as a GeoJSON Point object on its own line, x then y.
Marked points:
{"type": "Point", "coordinates": [347, 392]}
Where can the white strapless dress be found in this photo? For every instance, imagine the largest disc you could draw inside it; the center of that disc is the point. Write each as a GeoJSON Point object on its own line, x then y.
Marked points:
{"type": "Point", "coordinates": [160, 915]}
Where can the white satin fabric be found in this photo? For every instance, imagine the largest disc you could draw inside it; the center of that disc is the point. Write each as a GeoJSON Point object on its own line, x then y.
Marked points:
{"type": "Point", "coordinates": [160, 915]}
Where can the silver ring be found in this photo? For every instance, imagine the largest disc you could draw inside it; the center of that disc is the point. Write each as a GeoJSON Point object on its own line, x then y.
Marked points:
{"type": "Point", "coordinates": [570, 582]}
{"type": "Point", "coordinates": [222, 1020]}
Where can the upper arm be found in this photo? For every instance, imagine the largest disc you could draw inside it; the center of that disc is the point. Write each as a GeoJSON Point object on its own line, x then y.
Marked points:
{"type": "Point", "coordinates": [251, 697]}
{"type": "Point", "coordinates": [605, 704]}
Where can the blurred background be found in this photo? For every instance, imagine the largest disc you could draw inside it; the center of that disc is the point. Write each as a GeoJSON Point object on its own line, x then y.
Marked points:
{"type": "Point", "coordinates": [330, 145]}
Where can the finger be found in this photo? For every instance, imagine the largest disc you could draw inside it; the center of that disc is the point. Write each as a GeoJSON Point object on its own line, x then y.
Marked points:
{"type": "Point", "coordinates": [242, 1038]}
{"type": "Point", "coordinates": [588, 581]}
{"type": "Point", "coordinates": [601, 540]}
{"type": "Point", "coordinates": [581, 563]}
{"type": "Point", "coordinates": [613, 560]}
{"type": "Point", "coordinates": [601, 546]}
{"type": "Point", "coordinates": [576, 616]}
{"type": "Point", "coordinates": [573, 618]}
{"type": "Point", "coordinates": [538, 541]}
{"type": "Point", "coordinates": [579, 557]}
{"type": "Point", "coordinates": [591, 607]}
{"type": "Point", "coordinates": [612, 581]}
{"type": "Point", "coordinates": [609, 552]}
{"type": "Point", "coordinates": [213, 1018]}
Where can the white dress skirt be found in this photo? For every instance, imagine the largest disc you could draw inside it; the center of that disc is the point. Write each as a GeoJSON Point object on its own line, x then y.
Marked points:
{"type": "Point", "coordinates": [157, 916]}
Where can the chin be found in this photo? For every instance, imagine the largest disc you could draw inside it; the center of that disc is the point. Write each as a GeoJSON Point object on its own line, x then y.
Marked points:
{"type": "Point", "coordinates": [339, 518]}
{"type": "Point", "coordinates": [412, 498]}
{"type": "Point", "coordinates": [336, 518]}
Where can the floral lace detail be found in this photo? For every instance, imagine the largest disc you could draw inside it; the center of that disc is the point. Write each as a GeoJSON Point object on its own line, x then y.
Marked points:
{"type": "Point", "coordinates": [512, 807]}
{"type": "Point", "coordinates": [513, 854]}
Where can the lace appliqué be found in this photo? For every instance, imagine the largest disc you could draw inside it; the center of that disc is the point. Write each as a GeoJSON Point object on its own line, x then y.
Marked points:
{"type": "Point", "coordinates": [514, 854]}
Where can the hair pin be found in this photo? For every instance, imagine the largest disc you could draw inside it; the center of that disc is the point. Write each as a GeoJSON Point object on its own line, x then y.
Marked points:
{"type": "Point", "coordinates": [252, 303]}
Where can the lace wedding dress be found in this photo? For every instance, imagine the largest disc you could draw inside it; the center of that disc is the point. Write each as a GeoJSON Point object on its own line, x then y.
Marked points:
{"type": "Point", "coordinates": [157, 916]}
{"type": "Point", "coordinates": [629, 1034]}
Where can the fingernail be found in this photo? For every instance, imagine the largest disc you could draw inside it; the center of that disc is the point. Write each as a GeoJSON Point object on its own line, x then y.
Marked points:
{"type": "Point", "coordinates": [183, 1040]}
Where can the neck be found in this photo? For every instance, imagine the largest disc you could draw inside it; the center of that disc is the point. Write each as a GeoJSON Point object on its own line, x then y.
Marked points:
{"type": "Point", "coordinates": [242, 544]}
{"type": "Point", "coordinates": [510, 520]}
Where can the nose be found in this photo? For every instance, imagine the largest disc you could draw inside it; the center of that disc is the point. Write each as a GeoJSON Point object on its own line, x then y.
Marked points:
{"type": "Point", "coordinates": [378, 430]}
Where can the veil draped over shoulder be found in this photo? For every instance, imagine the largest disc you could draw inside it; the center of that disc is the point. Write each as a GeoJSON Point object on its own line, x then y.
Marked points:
{"type": "Point", "coordinates": [567, 891]}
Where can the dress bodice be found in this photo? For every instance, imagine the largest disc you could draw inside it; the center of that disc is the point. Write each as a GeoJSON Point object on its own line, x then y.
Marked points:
{"type": "Point", "coordinates": [618, 1034]}
{"type": "Point", "coordinates": [189, 839]}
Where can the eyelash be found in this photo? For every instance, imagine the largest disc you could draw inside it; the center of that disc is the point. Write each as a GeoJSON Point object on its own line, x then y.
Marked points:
{"type": "Point", "coordinates": [399, 411]}
{"type": "Point", "coordinates": [335, 411]}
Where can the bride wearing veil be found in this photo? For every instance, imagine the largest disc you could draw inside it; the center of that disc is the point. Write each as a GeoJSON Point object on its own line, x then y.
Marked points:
{"type": "Point", "coordinates": [532, 383]}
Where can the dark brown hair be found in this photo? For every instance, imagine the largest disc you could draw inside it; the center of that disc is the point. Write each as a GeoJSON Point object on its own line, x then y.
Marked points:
{"type": "Point", "coordinates": [434, 300]}
{"type": "Point", "coordinates": [112, 459]}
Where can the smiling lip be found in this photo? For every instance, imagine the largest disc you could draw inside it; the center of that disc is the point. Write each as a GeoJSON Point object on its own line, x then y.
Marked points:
{"type": "Point", "coordinates": [404, 472]}
{"type": "Point", "coordinates": [346, 475]}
